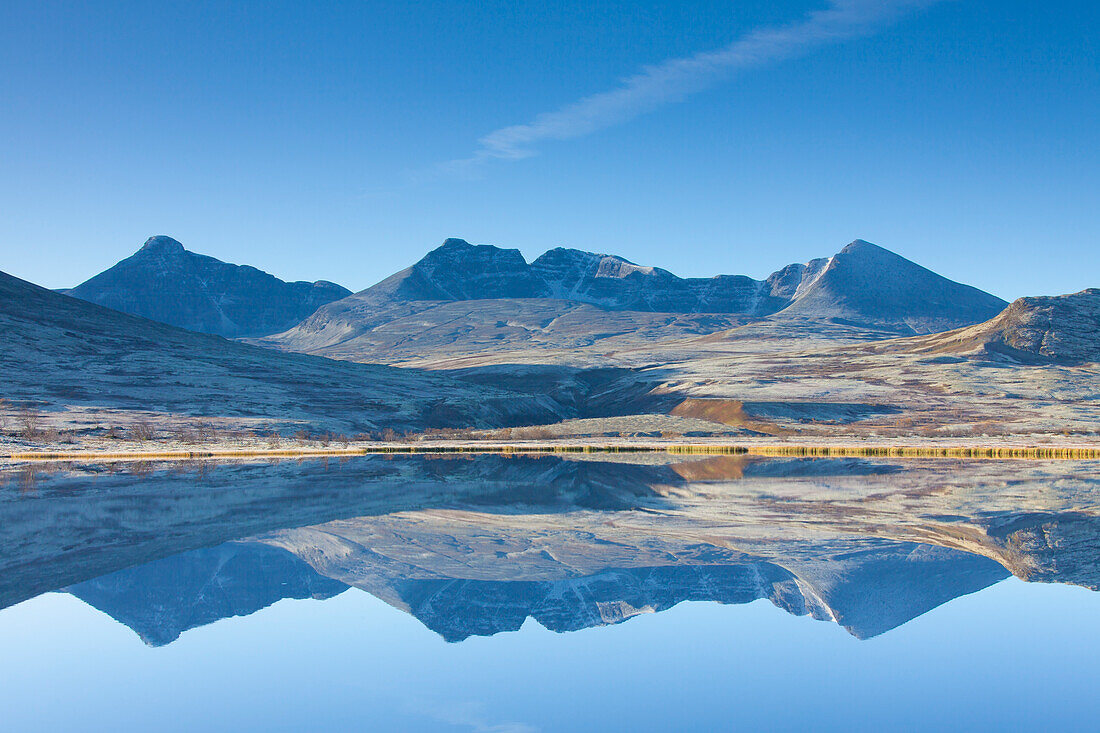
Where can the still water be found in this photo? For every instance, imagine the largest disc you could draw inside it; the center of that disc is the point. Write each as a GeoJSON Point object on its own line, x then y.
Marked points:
{"type": "Point", "coordinates": [547, 593]}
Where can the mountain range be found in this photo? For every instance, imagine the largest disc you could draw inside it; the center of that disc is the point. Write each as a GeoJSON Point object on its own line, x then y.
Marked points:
{"type": "Point", "coordinates": [463, 298]}
{"type": "Point", "coordinates": [862, 281]}
{"type": "Point", "coordinates": [573, 340]}
{"type": "Point", "coordinates": [881, 587]}
{"type": "Point", "coordinates": [863, 284]}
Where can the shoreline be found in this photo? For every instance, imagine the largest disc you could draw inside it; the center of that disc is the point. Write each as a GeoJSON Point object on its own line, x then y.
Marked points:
{"type": "Point", "coordinates": [839, 449]}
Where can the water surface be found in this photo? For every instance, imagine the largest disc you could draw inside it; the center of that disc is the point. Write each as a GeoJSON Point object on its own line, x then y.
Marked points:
{"type": "Point", "coordinates": [494, 593]}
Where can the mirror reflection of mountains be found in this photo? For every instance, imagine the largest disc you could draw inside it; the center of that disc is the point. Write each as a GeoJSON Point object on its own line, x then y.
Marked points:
{"type": "Point", "coordinates": [868, 590]}
{"type": "Point", "coordinates": [476, 546]}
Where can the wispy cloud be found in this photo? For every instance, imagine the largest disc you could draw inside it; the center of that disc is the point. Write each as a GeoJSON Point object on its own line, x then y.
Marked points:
{"type": "Point", "coordinates": [676, 79]}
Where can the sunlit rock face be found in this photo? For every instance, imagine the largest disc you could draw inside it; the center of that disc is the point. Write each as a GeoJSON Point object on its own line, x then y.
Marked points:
{"type": "Point", "coordinates": [1059, 329]}
{"type": "Point", "coordinates": [1062, 328]}
{"type": "Point", "coordinates": [164, 282]}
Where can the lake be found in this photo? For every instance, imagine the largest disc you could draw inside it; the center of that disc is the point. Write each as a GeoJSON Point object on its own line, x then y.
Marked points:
{"type": "Point", "coordinates": [546, 593]}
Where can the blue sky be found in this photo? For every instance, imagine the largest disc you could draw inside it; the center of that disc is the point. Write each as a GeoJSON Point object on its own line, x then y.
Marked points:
{"type": "Point", "coordinates": [318, 140]}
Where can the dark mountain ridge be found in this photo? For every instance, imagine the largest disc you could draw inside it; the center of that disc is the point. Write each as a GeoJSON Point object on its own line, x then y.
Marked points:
{"type": "Point", "coordinates": [164, 282]}
{"type": "Point", "coordinates": [458, 270]}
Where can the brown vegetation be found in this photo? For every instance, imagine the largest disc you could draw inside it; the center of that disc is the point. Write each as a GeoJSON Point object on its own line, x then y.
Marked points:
{"type": "Point", "coordinates": [726, 412]}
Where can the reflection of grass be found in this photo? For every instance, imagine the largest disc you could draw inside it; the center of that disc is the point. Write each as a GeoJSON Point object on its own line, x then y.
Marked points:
{"type": "Point", "coordinates": [903, 451]}
{"type": "Point", "coordinates": [548, 448]}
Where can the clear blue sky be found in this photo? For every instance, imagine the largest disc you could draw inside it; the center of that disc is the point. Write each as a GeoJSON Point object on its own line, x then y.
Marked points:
{"type": "Point", "coordinates": [317, 140]}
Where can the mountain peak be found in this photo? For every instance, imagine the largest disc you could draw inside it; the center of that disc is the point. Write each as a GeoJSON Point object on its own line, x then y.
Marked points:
{"type": "Point", "coordinates": [161, 244]}
{"type": "Point", "coordinates": [458, 270]}
{"type": "Point", "coordinates": [862, 246]}
{"type": "Point", "coordinates": [868, 284]}
{"type": "Point", "coordinates": [167, 283]}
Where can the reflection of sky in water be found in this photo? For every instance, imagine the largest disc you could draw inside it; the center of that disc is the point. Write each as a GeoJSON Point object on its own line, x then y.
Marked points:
{"type": "Point", "coordinates": [1012, 656]}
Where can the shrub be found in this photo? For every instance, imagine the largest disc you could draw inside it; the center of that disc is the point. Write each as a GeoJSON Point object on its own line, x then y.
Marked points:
{"type": "Point", "coordinates": [185, 434]}
{"type": "Point", "coordinates": [28, 423]}
{"type": "Point", "coordinates": [142, 431]}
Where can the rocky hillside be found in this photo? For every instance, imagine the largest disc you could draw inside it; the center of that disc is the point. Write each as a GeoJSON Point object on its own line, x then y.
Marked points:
{"type": "Point", "coordinates": [1061, 328]}
{"type": "Point", "coordinates": [63, 352]}
{"type": "Point", "coordinates": [166, 283]}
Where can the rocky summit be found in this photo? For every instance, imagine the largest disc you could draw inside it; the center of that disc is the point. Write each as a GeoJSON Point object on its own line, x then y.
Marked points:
{"type": "Point", "coordinates": [165, 282]}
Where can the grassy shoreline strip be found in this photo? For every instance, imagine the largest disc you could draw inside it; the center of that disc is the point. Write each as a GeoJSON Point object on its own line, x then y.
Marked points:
{"type": "Point", "coordinates": [901, 451]}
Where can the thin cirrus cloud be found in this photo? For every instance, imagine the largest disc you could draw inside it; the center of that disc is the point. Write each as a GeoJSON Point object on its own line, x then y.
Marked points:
{"type": "Point", "coordinates": [676, 79]}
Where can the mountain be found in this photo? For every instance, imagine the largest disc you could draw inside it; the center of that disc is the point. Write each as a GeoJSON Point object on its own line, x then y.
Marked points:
{"type": "Point", "coordinates": [164, 282]}
{"type": "Point", "coordinates": [458, 270]}
{"type": "Point", "coordinates": [867, 284]}
{"type": "Point", "coordinates": [472, 299]}
{"type": "Point", "coordinates": [1063, 329]}
{"type": "Point", "coordinates": [614, 283]}
{"type": "Point", "coordinates": [60, 350]}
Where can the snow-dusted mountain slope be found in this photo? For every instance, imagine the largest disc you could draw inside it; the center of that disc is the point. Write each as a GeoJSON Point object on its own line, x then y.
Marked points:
{"type": "Point", "coordinates": [463, 298]}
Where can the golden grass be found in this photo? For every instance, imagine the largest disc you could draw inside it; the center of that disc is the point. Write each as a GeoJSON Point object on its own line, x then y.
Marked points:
{"type": "Point", "coordinates": [880, 451]}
